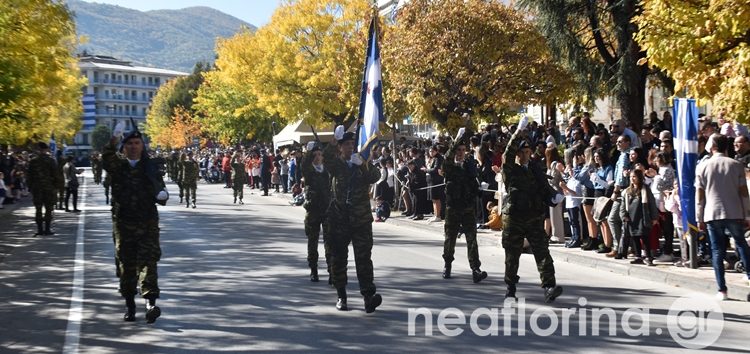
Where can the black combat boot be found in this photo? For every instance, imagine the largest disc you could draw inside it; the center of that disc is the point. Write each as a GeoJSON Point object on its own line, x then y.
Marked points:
{"type": "Point", "coordinates": [47, 228]}
{"type": "Point", "coordinates": [235, 200]}
{"type": "Point", "coordinates": [39, 229]}
{"type": "Point", "coordinates": [180, 200]}
{"type": "Point", "coordinates": [152, 311]}
{"type": "Point", "coordinates": [478, 275]}
{"type": "Point", "coordinates": [510, 292]}
{"type": "Point", "coordinates": [551, 293]}
{"type": "Point", "coordinates": [130, 309]}
{"type": "Point", "coordinates": [341, 303]}
{"type": "Point", "coordinates": [372, 302]}
{"type": "Point", "coordinates": [314, 275]}
{"type": "Point", "coordinates": [194, 204]}
{"type": "Point", "coordinates": [447, 271]}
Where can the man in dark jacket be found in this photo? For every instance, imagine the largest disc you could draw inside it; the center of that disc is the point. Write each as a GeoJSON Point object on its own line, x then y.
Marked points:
{"type": "Point", "coordinates": [317, 199]}
{"type": "Point", "coordinates": [265, 171]}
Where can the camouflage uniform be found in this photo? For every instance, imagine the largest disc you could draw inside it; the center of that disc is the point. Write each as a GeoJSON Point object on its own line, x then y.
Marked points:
{"type": "Point", "coordinates": [135, 222]}
{"type": "Point", "coordinates": [60, 181]}
{"type": "Point", "coordinates": [461, 192]}
{"type": "Point", "coordinates": [189, 174]}
{"type": "Point", "coordinates": [179, 176]}
{"type": "Point", "coordinates": [317, 199]}
{"type": "Point", "coordinates": [96, 168]}
{"type": "Point", "coordinates": [523, 216]}
{"type": "Point", "coordinates": [44, 179]}
{"type": "Point", "coordinates": [350, 219]}
{"type": "Point", "coordinates": [239, 178]}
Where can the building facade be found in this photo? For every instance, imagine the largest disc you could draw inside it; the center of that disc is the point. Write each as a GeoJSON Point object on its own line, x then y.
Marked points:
{"type": "Point", "coordinates": [117, 91]}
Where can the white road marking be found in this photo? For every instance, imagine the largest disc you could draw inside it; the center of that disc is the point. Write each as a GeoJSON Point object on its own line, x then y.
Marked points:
{"type": "Point", "coordinates": [75, 314]}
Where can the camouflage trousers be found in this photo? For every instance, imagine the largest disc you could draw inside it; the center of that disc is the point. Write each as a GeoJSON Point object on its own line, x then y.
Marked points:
{"type": "Point", "coordinates": [239, 189]}
{"type": "Point", "coordinates": [531, 228]}
{"type": "Point", "coordinates": [461, 220]}
{"type": "Point", "coordinates": [46, 199]}
{"type": "Point", "coordinates": [190, 188]}
{"type": "Point", "coordinates": [137, 251]}
{"type": "Point", "coordinates": [313, 223]}
{"type": "Point", "coordinates": [97, 177]}
{"type": "Point", "coordinates": [360, 236]}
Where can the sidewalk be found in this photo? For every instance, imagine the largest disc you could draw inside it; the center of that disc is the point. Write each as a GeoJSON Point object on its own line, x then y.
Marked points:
{"type": "Point", "coordinates": [701, 279]}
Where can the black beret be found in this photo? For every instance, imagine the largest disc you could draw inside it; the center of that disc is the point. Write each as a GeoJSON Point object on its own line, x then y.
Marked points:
{"type": "Point", "coordinates": [524, 144]}
{"type": "Point", "coordinates": [132, 135]}
{"type": "Point", "coordinates": [347, 136]}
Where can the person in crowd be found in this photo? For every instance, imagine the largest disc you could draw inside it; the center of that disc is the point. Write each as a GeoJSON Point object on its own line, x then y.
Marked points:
{"type": "Point", "coordinates": [621, 173]}
{"type": "Point", "coordinates": [639, 213]}
{"type": "Point", "coordinates": [722, 207]}
{"type": "Point", "coordinates": [436, 192]}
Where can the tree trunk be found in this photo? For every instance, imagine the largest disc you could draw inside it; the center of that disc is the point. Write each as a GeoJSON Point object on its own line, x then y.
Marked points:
{"type": "Point", "coordinates": [632, 101]}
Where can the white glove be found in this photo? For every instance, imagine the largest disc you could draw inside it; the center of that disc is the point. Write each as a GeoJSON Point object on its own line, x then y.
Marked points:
{"type": "Point", "coordinates": [356, 159]}
{"type": "Point", "coordinates": [461, 132]}
{"type": "Point", "coordinates": [119, 129]}
{"type": "Point", "coordinates": [523, 123]}
{"type": "Point", "coordinates": [162, 196]}
{"type": "Point", "coordinates": [338, 134]}
{"type": "Point", "coordinates": [484, 186]}
{"type": "Point", "coordinates": [310, 145]}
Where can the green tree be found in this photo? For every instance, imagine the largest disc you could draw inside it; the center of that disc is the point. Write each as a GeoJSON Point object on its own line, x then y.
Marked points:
{"type": "Point", "coordinates": [455, 57]}
{"type": "Point", "coordinates": [40, 85]}
{"type": "Point", "coordinates": [228, 113]}
{"type": "Point", "coordinates": [704, 45]}
{"type": "Point", "coordinates": [595, 40]}
{"type": "Point", "coordinates": [100, 137]}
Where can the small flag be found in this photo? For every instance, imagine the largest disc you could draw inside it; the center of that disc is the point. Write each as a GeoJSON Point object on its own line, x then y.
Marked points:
{"type": "Point", "coordinates": [371, 100]}
{"type": "Point", "coordinates": [685, 126]}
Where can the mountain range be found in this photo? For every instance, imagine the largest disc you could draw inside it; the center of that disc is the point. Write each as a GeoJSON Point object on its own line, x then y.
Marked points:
{"type": "Point", "coordinates": [168, 39]}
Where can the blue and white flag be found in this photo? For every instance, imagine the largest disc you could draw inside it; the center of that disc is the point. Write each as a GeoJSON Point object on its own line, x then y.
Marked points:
{"type": "Point", "coordinates": [89, 111]}
{"type": "Point", "coordinates": [685, 126]}
{"type": "Point", "coordinates": [371, 100]}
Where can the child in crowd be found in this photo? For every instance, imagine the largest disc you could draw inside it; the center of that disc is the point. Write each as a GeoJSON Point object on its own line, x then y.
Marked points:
{"type": "Point", "coordinates": [383, 210]}
{"type": "Point", "coordinates": [495, 222]}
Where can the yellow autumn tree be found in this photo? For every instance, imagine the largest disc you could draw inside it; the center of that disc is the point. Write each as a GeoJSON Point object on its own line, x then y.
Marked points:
{"type": "Point", "coordinates": [306, 63]}
{"type": "Point", "coordinates": [183, 129]}
{"type": "Point", "coordinates": [40, 84]}
{"type": "Point", "coordinates": [455, 57]}
{"type": "Point", "coordinates": [704, 46]}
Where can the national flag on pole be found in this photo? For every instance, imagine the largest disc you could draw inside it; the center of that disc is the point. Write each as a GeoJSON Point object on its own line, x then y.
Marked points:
{"type": "Point", "coordinates": [685, 126]}
{"type": "Point", "coordinates": [371, 100]}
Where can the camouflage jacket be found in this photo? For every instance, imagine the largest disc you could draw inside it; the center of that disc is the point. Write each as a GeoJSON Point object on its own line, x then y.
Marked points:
{"type": "Point", "coordinates": [44, 174]}
{"type": "Point", "coordinates": [524, 195]}
{"type": "Point", "coordinates": [461, 184]}
{"type": "Point", "coordinates": [239, 176]}
{"type": "Point", "coordinates": [317, 186]}
{"type": "Point", "coordinates": [350, 187]}
{"type": "Point", "coordinates": [134, 189]}
{"type": "Point", "coordinates": [189, 171]}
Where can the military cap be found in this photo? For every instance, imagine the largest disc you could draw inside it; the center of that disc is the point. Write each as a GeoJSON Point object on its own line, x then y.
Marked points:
{"type": "Point", "coordinates": [132, 135]}
{"type": "Point", "coordinates": [347, 136]}
{"type": "Point", "coordinates": [524, 144]}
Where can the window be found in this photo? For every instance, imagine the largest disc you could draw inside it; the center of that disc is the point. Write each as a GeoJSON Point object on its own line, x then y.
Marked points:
{"type": "Point", "coordinates": [84, 139]}
{"type": "Point", "coordinates": [144, 112]}
{"type": "Point", "coordinates": [156, 81]}
{"type": "Point", "coordinates": [134, 96]}
{"type": "Point", "coordinates": [150, 95]}
{"type": "Point", "coordinates": [96, 76]}
{"type": "Point", "coordinates": [127, 110]}
{"type": "Point", "coordinates": [143, 96]}
{"type": "Point", "coordinates": [134, 109]}
{"type": "Point", "coordinates": [106, 93]}
{"type": "Point", "coordinates": [106, 77]}
{"type": "Point", "coordinates": [143, 81]}
{"type": "Point", "coordinates": [150, 81]}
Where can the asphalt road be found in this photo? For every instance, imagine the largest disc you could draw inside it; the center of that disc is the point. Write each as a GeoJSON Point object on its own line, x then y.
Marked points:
{"type": "Point", "coordinates": [234, 278]}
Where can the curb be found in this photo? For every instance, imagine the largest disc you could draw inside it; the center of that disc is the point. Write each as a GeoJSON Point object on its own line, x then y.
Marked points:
{"type": "Point", "coordinates": [667, 274]}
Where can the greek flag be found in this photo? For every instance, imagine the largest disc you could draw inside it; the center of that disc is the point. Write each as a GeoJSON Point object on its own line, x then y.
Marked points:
{"type": "Point", "coordinates": [89, 111]}
{"type": "Point", "coordinates": [685, 126]}
{"type": "Point", "coordinates": [371, 100]}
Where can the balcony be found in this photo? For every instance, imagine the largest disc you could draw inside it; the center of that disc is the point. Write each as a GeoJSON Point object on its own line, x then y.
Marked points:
{"type": "Point", "coordinates": [122, 98]}
{"type": "Point", "coordinates": [122, 83]}
{"type": "Point", "coordinates": [102, 113]}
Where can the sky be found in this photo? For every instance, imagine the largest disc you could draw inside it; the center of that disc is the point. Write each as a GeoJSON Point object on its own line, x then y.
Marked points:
{"type": "Point", "coordinates": [255, 12]}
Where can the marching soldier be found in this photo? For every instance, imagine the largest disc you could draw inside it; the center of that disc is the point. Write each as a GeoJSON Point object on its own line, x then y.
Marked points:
{"type": "Point", "coordinates": [96, 167]}
{"type": "Point", "coordinates": [239, 176]}
{"type": "Point", "coordinates": [317, 199]}
{"type": "Point", "coordinates": [189, 174]}
{"type": "Point", "coordinates": [461, 192]}
{"type": "Point", "coordinates": [44, 179]}
{"type": "Point", "coordinates": [137, 187]}
{"type": "Point", "coordinates": [523, 216]}
{"type": "Point", "coordinates": [179, 176]}
{"type": "Point", "coordinates": [350, 218]}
